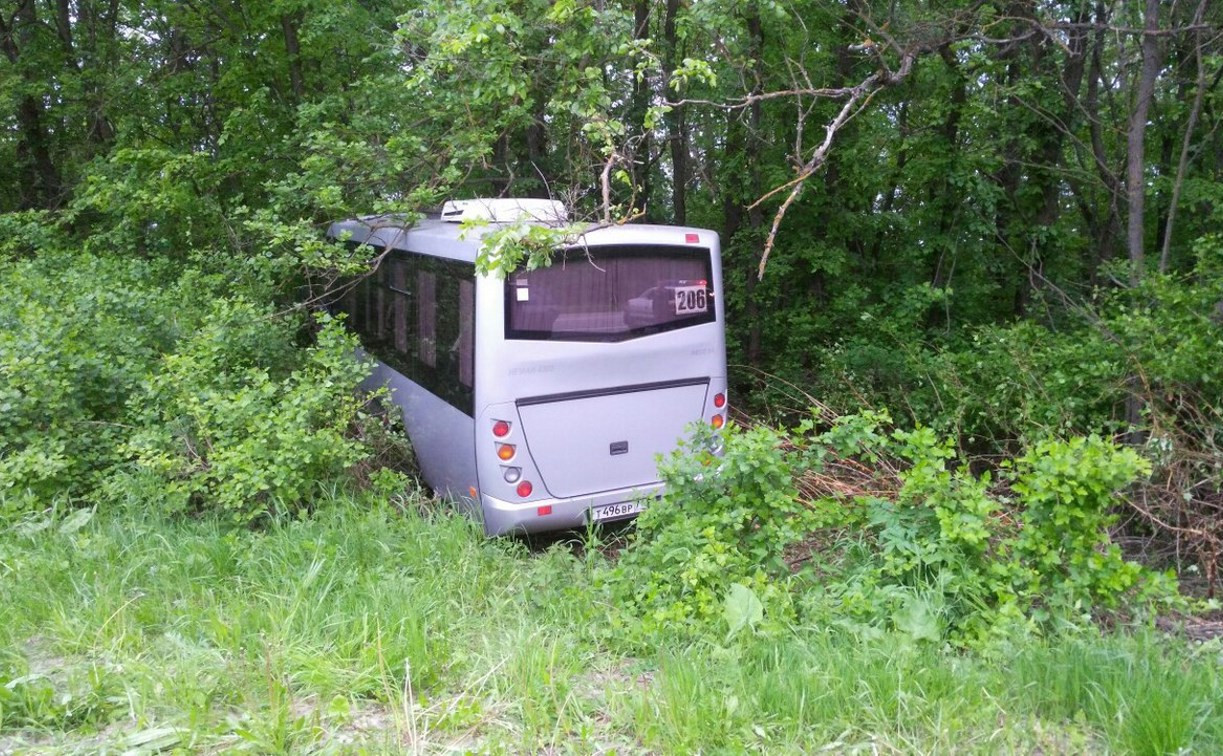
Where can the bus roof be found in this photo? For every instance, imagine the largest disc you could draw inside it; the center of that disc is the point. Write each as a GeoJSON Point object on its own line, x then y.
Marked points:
{"type": "Point", "coordinates": [438, 238]}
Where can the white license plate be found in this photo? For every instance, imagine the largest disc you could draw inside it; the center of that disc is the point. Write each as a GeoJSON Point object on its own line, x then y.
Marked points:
{"type": "Point", "coordinates": [615, 511]}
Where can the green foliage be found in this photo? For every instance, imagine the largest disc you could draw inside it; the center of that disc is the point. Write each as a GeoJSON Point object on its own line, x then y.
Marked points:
{"type": "Point", "coordinates": [507, 247]}
{"type": "Point", "coordinates": [234, 420]}
{"type": "Point", "coordinates": [947, 554]}
{"type": "Point", "coordinates": [152, 201]}
{"type": "Point", "coordinates": [77, 335]}
{"type": "Point", "coordinates": [720, 529]}
{"type": "Point", "coordinates": [1064, 544]}
{"type": "Point", "coordinates": [124, 382]}
{"type": "Point", "coordinates": [24, 233]}
{"type": "Point", "coordinates": [956, 554]}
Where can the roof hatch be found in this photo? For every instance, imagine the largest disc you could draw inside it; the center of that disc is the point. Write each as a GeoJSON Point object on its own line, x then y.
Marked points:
{"type": "Point", "coordinates": [505, 210]}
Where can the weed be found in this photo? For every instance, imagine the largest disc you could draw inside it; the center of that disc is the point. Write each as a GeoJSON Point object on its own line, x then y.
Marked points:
{"type": "Point", "coordinates": [375, 627]}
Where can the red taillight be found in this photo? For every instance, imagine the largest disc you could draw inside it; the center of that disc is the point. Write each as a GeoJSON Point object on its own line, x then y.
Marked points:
{"type": "Point", "coordinates": [501, 429]}
{"type": "Point", "coordinates": [544, 510]}
{"type": "Point", "coordinates": [692, 238]}
{"type": "Point", "coordinates": [717, 421]}
{"type": "Point", "coordinates": [524, 489]}
{"type": "Point", "coordinates": [505, 451]}
{"type": "Point", "coordinates": [719, 400]}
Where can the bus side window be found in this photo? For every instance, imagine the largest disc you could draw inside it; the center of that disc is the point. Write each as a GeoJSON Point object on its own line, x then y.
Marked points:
{"type": "Point", "coordinates": [381, 310]}
{"type": "Point", "coordinates": [467, 332]}
{"type": "Point", "coordinates": [348, 304]}
{"type": "Point", "coordinates": [358, 297]}
{"type": "Point", "coordinates": [399, 306]}
{"type": "Point", "coordinates": [426, 317]}
{"type": "Point", "coordinates": [369, 315]}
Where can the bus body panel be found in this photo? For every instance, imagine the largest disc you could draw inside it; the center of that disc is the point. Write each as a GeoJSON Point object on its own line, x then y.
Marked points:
{"type": "Point", "coordinates": [563, 447]}
{"type": "Point", "coordinates": [587, 445]}
{"type": "Point", "coordinates": [441, 435]}
{"type": "Point", "coordinates": [503, 516]}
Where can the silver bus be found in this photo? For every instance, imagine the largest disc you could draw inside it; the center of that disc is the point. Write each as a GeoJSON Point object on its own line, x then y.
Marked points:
{"type": "Point", "coordinates": [540, 400]}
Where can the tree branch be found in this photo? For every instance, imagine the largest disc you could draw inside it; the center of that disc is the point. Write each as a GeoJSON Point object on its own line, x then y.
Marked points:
{"type": "Point", "coordinates": [859, 95]}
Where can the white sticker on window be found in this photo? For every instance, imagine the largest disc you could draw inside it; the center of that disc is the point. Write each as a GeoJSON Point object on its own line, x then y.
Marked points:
{"type": "Point", "coordinates": [522, 293]}
{"type": "Point", "coordinates": [690, 300]}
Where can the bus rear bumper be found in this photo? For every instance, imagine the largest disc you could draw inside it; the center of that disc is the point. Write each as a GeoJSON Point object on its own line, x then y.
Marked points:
{"type": "Point", "coordinates": [502, 517]}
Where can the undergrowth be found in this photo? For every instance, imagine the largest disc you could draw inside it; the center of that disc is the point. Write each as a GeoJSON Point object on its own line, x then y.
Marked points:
{"type": "Point", "coordinates": [125, 380]}
{"type": "Point", "coordinates": [923, 546]}
{"type": "Point", "coordinates": [395, 627]}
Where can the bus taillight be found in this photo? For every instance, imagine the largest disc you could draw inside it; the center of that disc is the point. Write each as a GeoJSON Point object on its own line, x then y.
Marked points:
{"type": "Point", "coordinates": [524, 489]}
{"type": "Point", "coordinates": [505, 451]}
{"type": "Point", "coordinates": [719, 400]}
{"type": "Point", "coordinates": [717, 421]}
{"type": "Point", "coordinates": [501, 428]}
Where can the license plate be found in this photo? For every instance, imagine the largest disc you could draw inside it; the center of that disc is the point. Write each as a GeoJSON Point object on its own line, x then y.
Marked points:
{"type": "Point", "coordinates": [615, 511]}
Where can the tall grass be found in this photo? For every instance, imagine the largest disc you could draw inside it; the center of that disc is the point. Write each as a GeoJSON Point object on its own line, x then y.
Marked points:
{"type": "Point", "coordinates": [392, 628]}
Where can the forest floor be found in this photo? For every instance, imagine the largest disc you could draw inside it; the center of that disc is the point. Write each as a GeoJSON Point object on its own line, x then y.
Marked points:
{"type": "Point", "coordinates": [382, 629]}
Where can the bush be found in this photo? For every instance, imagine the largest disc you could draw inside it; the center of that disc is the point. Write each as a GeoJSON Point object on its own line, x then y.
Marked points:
{"type": "Point", "coordinates": [220, 429]}
{"type": "Point", "coordinates": [723, 522]}
{"type": "Point", "coordinates": [77, 336]}
{"type": "Point", "coordinates": [916, 544]}
{"type": "Point", "coordinates": [959, 555]}
{"type": "Point", "coordinates": [125, 382]}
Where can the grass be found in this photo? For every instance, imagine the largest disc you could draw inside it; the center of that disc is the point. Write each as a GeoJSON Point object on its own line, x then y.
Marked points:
{"type": "Point", "coordinates": [376, 628]}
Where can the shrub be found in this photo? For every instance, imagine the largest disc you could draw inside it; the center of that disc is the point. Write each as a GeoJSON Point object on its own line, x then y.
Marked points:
{"type": "Point", "coordinates": [978, 557]}
{"type": "Point", "coordinates": [77, 336]}
{"type": "Point", "coordinates": [123, 381]}
{"type": "Point", "coordinates": [220, 429]}
{"type": "Point", "coordinates": [723, 522]}
{"type": "Point", "coordinates": [917, 543]}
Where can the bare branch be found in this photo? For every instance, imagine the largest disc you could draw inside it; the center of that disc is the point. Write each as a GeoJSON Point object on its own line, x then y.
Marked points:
{"type": "Point", "coordinates": [859, 96]}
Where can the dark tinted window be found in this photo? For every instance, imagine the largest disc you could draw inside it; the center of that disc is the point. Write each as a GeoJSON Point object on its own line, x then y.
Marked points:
{"type": "Point", "coordinates": [426, 317]}
{"type": "Point", "coordinates": [610, 294]}
{"type": "Point", "coordinates": [467, 332]}
{"type": "Point", "coordinates": [417, 315]}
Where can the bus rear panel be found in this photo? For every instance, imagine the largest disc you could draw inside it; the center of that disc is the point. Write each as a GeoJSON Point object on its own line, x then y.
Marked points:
{"type": "Point", "coordinates": [600, 363]}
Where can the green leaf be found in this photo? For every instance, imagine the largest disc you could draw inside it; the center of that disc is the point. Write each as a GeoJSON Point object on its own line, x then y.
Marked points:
{"type": "Point", "coordinates": [741, 609]}
{"type": "Point", "coordinates": [918, 620]}
{"type": "Point", "coordinates": [76, 521]}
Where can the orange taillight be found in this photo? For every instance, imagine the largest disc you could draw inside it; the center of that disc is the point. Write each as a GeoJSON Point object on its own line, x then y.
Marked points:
{"type": "Point", "coordinates": [505, 451]}
{"type": "Point", "coordinates": [717, 421]}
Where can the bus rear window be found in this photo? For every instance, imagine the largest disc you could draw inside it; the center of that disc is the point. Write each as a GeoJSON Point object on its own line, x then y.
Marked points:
{"type": "Point", "coordinates": [610, 293]}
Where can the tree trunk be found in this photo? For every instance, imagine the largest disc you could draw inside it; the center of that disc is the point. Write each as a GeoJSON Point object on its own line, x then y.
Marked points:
{"type": "Point", "coordinates": [639, 105]}
{"type": "Point", "coordinates": [677, 136]}
{"type": "Point", "coordinates": [1110, 227]}
{"type": "Point", "coordinates": [63, 28]}
{"type": "Point", "coordinates": [40, 181]}
{"type": "Point", "coordinates": [755, 215]}
{"type": "Point", "coordinates": [1183, 163]}
{"type": "Point", "coordinates": [288, 24]}
{"type": "Point", "coordinates": [1135, 183]}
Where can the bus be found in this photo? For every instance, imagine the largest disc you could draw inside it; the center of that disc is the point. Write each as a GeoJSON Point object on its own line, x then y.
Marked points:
{"type": "Point", "coordinates": [539, 400]}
